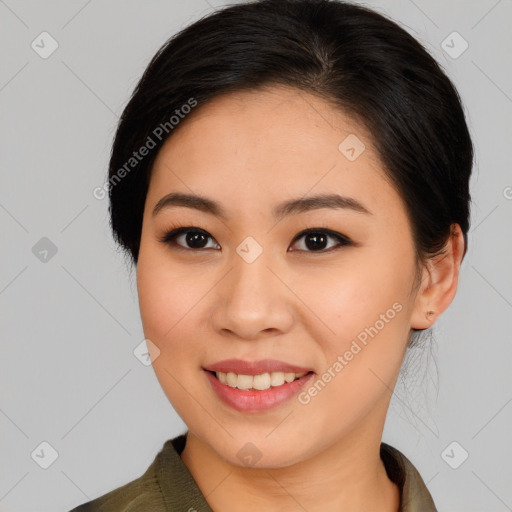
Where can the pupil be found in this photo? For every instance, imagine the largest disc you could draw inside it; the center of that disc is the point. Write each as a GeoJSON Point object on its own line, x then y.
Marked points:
{"type": "Point", "coordinates": [193, 236]}
{"type": "Point", "coordinates": [318, 241]}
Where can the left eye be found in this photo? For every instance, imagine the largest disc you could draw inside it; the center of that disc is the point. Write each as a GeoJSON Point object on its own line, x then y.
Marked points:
{"type": "Point", "coordinates": [196, 239]}
{"type": "Point", "coordinates": [316, 237]}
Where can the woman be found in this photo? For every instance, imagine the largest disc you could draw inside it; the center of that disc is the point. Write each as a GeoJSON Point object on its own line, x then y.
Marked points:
{"type": "Point", "coordinates": [291, 180]}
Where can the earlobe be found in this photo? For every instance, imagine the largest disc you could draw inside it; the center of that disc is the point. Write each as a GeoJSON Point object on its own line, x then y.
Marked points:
{"type": "Point", "coordinates": [439, 282]}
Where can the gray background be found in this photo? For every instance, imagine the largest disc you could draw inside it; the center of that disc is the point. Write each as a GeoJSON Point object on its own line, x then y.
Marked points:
{"type": "Point", "coordinates": [70, 324]}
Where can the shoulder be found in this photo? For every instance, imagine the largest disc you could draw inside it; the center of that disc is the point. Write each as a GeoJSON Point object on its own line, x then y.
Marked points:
{"type": "Point", "coordinates": [141, 494]}
{"type": "Point", "coordinates": [166, 485]}
{"type": "Point", "coordinates": [414, 495]}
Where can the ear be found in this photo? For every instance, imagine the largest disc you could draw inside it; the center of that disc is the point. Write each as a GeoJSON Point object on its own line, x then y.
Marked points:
{"type": "Point", "coordinates": [440, 277]}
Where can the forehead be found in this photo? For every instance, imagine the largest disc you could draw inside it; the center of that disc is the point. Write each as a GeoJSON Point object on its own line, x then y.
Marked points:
{"type": "Point", "coordinates": [275, 121]}
{"type": "Point", "coordinates": [270, 143]}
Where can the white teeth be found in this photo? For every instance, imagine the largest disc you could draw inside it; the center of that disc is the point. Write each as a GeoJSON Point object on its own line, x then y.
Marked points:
{"type": "Point", "coordinates": [276, 379]}
{"type": "Point", "coordinates": [231, 379]}
{"type": "Point", "coordinates": [260, 382]}
{"type": "Point", "coordinates": [244, 382]}
{"type": "Point", "coordinates": [289, 377]}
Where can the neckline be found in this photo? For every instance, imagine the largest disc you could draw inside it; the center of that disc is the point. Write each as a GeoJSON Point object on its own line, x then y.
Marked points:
{"type": "Point", "coordinates": [178, 486]}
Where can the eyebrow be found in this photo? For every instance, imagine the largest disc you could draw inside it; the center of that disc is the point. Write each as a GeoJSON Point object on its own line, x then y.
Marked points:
{"type": "Point", "coordinates": [290, 207]}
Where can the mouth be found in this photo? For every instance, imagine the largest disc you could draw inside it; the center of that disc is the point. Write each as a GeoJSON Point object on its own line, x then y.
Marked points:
{"type": "Point", "coordinates": [257, 393]}
{"type": "Point", "coordinates": [259, 382]}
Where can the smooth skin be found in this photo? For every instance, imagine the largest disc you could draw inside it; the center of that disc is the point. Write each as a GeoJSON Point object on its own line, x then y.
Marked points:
{"type": "Point", "coordinates": [299, 302]}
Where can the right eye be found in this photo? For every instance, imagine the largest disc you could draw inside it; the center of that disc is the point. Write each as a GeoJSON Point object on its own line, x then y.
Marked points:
{"type": "Point", "coordinates": [195, 238]}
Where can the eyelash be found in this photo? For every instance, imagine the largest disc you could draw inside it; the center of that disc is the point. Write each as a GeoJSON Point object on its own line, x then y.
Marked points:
{"type": "Point", "coordinates": [169, 238]}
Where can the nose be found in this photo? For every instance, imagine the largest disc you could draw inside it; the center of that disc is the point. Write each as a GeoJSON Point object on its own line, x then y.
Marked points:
{"type": "Point", "coordinates": [252, 301]}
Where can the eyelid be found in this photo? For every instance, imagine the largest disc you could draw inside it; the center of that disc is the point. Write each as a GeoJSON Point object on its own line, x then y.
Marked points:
{"type": "Point", "coordinates": [327, 231]}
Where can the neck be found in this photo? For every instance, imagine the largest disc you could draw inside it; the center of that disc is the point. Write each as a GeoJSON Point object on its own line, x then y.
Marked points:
{"type": "Point", "coordinates": [348, 476]}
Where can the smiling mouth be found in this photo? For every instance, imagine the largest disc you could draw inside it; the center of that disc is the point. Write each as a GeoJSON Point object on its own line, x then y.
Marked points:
{"type": "Point", "coordinates": [260, 382]}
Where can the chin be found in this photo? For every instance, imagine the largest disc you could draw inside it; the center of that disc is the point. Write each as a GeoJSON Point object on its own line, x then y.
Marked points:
{"type": "Point", "coordinates": [259, 452]}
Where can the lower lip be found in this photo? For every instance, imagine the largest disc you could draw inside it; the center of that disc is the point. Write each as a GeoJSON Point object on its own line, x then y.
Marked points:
{"type": "Point", "coordinates": [253, 400]}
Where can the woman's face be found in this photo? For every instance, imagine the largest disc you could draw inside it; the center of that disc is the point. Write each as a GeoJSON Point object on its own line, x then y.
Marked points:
{"type": "Point", "coordinates": [243, 283]}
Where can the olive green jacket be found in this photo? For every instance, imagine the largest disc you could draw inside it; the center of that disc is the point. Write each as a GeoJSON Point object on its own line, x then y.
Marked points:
{"type": "Point", "coordinates": [168, 486]}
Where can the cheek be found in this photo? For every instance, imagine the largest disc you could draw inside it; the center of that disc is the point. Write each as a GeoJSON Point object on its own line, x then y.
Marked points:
{"type": "Point", "coordinates": [348, 297]}
{"type": "Point", "coordinates": [168, 302]}
{"type": "Point", "coordinates": [364, 304]}
{"type": "Point", "coordinates": [372, 321]}
{"type": "Point", "coordinates": [166, 299]}
{"type": "Point", "coordinates": [362, 359]}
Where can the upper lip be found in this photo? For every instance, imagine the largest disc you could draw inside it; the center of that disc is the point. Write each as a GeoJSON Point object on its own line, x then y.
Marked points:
{"type": "Point", "coordinates": [241, 367]}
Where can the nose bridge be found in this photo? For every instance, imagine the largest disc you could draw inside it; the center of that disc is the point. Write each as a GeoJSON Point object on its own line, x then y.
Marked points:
{"type": "Point", "coordinates": [251, 281]}
{"type": "Point", "coordinates": [252, 298]}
